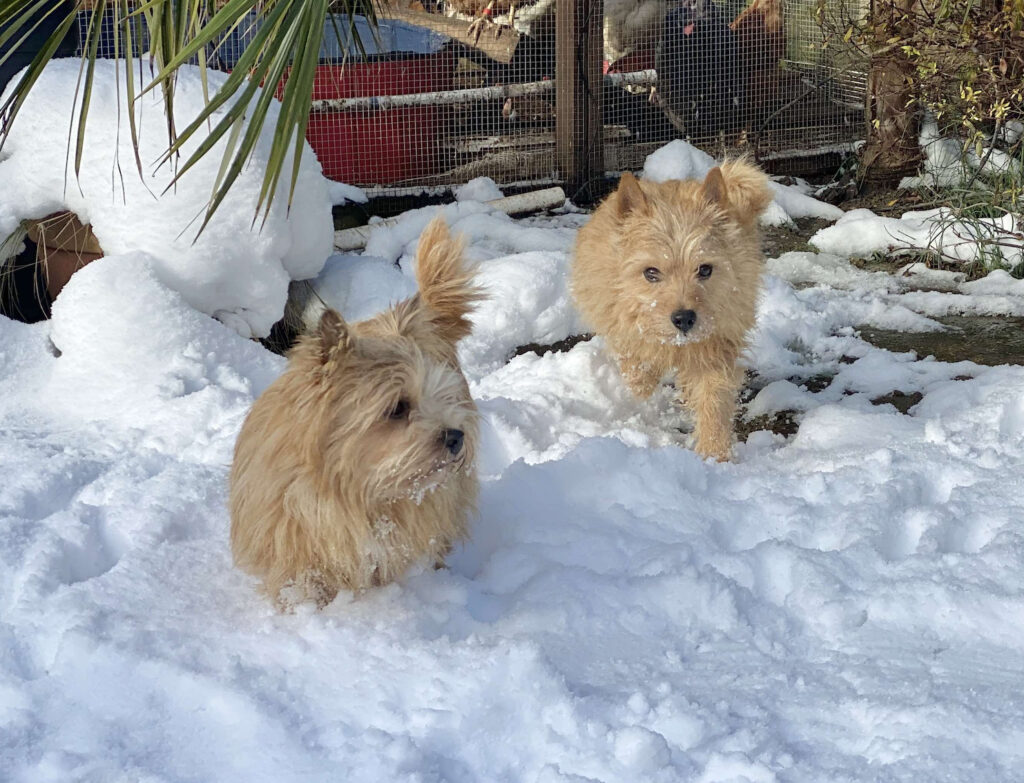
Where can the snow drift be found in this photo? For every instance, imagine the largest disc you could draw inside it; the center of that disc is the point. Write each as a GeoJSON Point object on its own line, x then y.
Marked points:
{"type": "Point", "coordinates": [236, 270]}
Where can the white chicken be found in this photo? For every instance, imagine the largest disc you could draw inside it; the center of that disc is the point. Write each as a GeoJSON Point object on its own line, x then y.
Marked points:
{"type": "Point", "coordinates": [632, 24]}
{"type": "Point", "coordinates": [516, 13]}
{"type": "Point", "coordinates": [628, 24]}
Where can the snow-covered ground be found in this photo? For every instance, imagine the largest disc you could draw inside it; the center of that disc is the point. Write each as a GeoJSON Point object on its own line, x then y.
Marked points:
{"type": "Point", "coordinates": [845, 604]}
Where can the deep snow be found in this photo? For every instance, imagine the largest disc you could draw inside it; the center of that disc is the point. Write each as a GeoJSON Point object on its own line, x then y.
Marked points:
{"type": "Point", "coordinates": [239, 267]}
{"type": "Point", "coordinates": [845, 604]}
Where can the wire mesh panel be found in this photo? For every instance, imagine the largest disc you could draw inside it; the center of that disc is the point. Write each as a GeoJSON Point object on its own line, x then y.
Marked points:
{"type": "Point", "coordinates": [491, 108]}
{"type": "Point", "coordinates": [109, 44]}
{"type": "Point", "coordinates": [728, 75]}
{"type": "Point", "coordinates": [443, 91]}
{"type": "Point", "coordinates": [375, 120]}
{"type": "Point", "coordinates": [739, 76]}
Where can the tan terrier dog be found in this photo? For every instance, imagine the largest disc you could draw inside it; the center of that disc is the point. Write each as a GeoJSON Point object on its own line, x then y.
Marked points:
{"type": "Point", "coordinates": [669, 273]}
{"type": "Point", "coordinates": [359, 459]}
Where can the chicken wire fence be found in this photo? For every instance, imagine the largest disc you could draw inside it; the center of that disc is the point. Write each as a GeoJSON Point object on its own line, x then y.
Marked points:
{"type": "Point", "coordinates": [739, 76]}
{"type": "Point", "coordinates": [443, 91]}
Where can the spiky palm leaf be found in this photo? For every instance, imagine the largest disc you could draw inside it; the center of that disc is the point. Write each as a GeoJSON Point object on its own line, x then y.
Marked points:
{"type": "Point", "coordinates": [285, 44]}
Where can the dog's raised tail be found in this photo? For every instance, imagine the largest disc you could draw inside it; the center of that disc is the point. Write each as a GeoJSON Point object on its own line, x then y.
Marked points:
{"type": "Point", "coordinates": [445, 281]}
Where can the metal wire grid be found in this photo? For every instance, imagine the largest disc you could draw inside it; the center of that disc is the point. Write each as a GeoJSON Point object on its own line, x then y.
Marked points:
{"type": "Point", "coordinates": [423, 111]}
{"type": "Point", "coordinates": [734, 76]}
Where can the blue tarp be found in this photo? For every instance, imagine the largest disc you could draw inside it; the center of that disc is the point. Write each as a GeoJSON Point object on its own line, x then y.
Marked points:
{"type": "Point", "coordinates": [392, 37]}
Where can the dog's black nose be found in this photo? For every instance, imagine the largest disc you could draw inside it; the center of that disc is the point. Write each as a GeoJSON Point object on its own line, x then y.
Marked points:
{"type": "Point", "coordinates": [452, 440]}
{"type": "Point", "coordinates": [683, 320]}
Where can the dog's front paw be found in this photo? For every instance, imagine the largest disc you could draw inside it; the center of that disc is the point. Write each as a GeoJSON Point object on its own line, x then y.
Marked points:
{"type": "Point", "coordinates": [717, 453]}
{"type": "Point", "coordinates": [715, 444]}
{"type": "Point", "coordinates": [641, 378]}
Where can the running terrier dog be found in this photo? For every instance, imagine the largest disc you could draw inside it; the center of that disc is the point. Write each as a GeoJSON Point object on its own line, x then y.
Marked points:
{"type": "Point", "coordinates": [669, 274]}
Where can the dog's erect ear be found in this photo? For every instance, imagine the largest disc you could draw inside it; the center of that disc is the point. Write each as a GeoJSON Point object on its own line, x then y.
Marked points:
{"type": "Point", "coordinates": [333, 336]}
{"type": "Point", "coordinates": [446, 283]}
{"type": "Point", "coordinates": [739, 187]}
{"type": "Point", "coordinates": [629, 194]}
{"type": "Point", "coordinates": [714, 187]}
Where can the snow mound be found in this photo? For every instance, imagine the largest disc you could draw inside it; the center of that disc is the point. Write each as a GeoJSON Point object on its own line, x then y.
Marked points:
{"type": "Point", "coordinates": [681, 160]}
{"type": "Point", "coordinates": [138, 356]}
{"type": "Point", "coordinates": [356, 286]}
{"type": "Point", "coordinates": [523, 271]}
{"type": "Point", "coordinates": [340, 193]}
{"type": "Point", "coordinates": [235, 270]}
{"type": "Point", "coordinates": [950, 163]}
{"type": "Point", "coordinates": [527, 301]}
{"type": "Point", "coordinates": [860, 232]}
{"type": "Point", "coordinates": [539, 408]}
{"type": "Point", "coordinates": [677, 160]}
{"type": "Point", "coordinates": [479, 189]}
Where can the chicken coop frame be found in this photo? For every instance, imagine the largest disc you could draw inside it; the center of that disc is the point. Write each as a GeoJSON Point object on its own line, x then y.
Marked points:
{"type": "Point", "coordinates": [535, 92]}
{"type": "Point", "coordinates": [569, 91]}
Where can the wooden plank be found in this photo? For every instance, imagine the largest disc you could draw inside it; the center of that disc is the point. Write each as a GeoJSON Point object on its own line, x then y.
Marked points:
{"type": "Point", "coordinates": [498, 42]}
{"type": "Point", "coordinates": [579, 150]}
{"type": "Point", "coordinates": [530, 139]}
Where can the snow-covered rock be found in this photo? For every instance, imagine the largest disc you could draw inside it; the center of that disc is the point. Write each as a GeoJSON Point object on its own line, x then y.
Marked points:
{"type": "Point", "coordinates": [479, 189]}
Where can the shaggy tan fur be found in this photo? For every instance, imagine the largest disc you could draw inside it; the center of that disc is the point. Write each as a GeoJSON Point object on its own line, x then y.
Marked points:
{"type": "Point", "coordinates": [347, 468]}
{"type": "Point", "coordinates": [685, 250]}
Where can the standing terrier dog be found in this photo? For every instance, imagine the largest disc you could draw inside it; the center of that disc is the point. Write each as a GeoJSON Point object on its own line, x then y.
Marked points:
{"type": "Point", "coordinates": [669, 273]}
{"type": "Point", "coordinates": [359, 459]}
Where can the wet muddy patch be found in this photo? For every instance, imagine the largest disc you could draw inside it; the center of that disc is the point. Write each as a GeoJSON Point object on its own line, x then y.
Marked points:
{"type": "Point", "coordinates": [987, 340]}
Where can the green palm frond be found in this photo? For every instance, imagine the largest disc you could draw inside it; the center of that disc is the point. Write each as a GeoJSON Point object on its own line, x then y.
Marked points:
{"type": "Point", "coordinates": [283, 48]}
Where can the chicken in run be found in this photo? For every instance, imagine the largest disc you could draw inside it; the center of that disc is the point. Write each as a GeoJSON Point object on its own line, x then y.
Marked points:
{"type": "Point", "coordinates": [518, 14]}
{"type": "Point", "coordinates": [633, 25]}
{"type": "Point", "coordinates": [760, 44]}
{"type": "Point", "coordinates": [629, 25]}
{"type": "Point", "coordinates": [700, 75]}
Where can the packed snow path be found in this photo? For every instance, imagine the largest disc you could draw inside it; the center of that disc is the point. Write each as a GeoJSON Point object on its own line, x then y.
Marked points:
{"type": "Point", "coordinates": [841, 605]}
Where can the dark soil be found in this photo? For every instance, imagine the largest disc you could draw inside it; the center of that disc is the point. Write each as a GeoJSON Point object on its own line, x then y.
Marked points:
{"type": "Point", "coordinates": [562, 346]}
{"type": "Point", "coordinates": [901, 401]}
{"type": "Point", "coordinates": [888, 202]}
{"type": "Point", "coordinates": [782, 423]}
{"type": "Point", "coordinates": [777, 240]}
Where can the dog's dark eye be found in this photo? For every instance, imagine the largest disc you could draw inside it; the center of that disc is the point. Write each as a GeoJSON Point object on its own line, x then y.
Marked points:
{"type": "Point", "coordinates": [653, 275]}
{"type": "Point", "coordinates": [400, 411]}
{"type": "Point", "coordinates": [704, 271]}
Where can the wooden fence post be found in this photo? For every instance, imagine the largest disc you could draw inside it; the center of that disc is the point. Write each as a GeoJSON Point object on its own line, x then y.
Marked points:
{"type": "Point", "coordinates": [579, 133]}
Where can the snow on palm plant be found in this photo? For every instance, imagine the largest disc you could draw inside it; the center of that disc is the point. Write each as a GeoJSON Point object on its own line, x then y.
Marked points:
{"type": "Point", "coordinates": [284, 45]}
